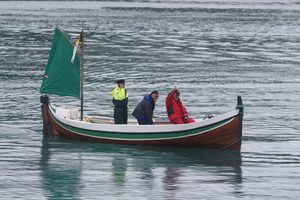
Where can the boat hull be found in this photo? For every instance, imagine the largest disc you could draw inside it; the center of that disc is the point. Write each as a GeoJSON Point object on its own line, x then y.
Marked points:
{"type": "Point", "coordinates": [224, 134]}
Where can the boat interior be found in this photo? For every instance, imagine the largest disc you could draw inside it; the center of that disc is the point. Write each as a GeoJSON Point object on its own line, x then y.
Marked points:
{"type": "Point", "coordinates": [74, 114]}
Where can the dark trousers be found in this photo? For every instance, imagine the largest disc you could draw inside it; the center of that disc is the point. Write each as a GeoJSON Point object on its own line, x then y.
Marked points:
{"type": "Point", "coordinates": [120, 115]}
{"type": "Point", "coordinates": [142, 120]}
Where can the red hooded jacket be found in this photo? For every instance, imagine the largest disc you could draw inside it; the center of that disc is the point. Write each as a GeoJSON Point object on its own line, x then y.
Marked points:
{"type": "Point", "coordinates": [176, 110]}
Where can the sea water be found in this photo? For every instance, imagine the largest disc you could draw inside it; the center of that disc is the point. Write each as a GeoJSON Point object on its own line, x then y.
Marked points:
{"type": "Point", "coordinates": [212, 50]}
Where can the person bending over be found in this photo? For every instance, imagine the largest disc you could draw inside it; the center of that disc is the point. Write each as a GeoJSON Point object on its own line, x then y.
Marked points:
{"type": "Point", "coordinates": [143, 112]}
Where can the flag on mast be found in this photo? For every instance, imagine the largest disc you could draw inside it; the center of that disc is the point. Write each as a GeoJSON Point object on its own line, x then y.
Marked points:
{"type": "Point", "coordinates": [75, 48]}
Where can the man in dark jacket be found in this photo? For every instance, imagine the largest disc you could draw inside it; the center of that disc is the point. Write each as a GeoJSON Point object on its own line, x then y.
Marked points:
{"type": "Point", "coordinates": [143, 112]}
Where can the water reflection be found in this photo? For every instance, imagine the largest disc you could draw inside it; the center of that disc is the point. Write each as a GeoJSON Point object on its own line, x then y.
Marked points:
{"type": "Point", "coordinates": [119, 166]}
{"type": "Point", "coordinates": [128, 170]}
{"type": "Point", "coordinates": [192, 167]}
{"type": "Point", "coordinates": [60, 174]}
{"type": "Point", "coordinates": [171, 177]}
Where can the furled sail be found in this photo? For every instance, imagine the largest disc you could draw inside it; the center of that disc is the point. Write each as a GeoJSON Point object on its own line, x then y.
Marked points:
{"type": "Point", "coordinates": [62, 75]}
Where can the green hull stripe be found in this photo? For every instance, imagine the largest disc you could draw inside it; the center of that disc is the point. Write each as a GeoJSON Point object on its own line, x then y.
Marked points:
{"type": "Point", "coordinates": [140, 136]}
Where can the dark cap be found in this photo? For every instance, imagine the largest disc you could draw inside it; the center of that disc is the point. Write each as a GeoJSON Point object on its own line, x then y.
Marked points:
{"type": "Point", "coordinates": [154, 92]}
{"type": "Point", "coordinates": [120, 81]}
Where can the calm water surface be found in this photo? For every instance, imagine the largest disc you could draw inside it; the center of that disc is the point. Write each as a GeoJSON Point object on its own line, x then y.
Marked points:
{"type": "Point", "coordinates": [212, 50]}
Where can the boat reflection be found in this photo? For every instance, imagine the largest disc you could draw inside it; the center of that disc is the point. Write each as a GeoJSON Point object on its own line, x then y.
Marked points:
{"type": "Point", "coordinates": [63, 162]}
{"type": "Point", "coordinates": [225, 165]}
{"type": "Point", "coordinates": [60, 174]}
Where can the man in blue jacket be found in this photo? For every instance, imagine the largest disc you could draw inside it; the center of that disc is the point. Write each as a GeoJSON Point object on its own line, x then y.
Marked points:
{"type": "Point", "coordinates": [143, 112]}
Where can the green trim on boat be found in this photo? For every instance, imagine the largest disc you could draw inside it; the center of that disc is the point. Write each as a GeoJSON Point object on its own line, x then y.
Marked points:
{"type": "Point", "coordinates": [140, 136]}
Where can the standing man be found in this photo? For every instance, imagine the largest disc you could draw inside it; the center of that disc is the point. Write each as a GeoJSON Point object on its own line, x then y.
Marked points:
{"type": "Point", "coordinates": [143, 112]}
{"type": "Point", "coordinates": [120, 101]}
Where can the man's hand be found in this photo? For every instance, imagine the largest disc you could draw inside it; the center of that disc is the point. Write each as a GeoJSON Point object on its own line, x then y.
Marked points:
{"type": "Point", "coordinates": [185, 118]}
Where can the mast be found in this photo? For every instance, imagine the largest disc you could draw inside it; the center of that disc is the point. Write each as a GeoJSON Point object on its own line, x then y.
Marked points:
{"type": "Point", "coordinates": [81, 74]}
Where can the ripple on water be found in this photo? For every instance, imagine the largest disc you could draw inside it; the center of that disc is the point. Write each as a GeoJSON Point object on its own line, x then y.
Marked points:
{"type": "Point", "coordinates": [212, 50]}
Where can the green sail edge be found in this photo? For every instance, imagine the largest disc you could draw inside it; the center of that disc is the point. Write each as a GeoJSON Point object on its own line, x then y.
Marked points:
{"type": "Point", "coordinates": [62, 77]}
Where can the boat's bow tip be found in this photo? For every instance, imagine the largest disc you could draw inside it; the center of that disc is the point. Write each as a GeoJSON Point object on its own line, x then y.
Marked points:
{"type": "Point", "coordinates": [240, 105]}
{"type": "Point", "coordinates": [44, 99]}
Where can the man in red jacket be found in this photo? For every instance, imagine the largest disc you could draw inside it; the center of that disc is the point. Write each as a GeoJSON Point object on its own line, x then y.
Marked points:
{"type": "Point", "coordinates": [176, 111]}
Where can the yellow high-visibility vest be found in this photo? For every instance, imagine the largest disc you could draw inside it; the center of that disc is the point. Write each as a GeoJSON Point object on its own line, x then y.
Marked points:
{"type": "Point", "coordinates": [119, 94]}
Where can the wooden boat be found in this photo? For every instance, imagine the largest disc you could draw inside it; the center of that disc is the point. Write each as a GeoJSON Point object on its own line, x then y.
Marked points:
{"type": "Point", "coordinates": [222, 131]}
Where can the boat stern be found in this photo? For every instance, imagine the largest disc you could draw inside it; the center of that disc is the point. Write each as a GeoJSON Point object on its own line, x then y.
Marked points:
{"type": "Point", "coordinates": [48, 129]}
